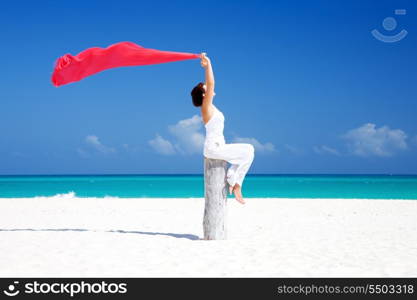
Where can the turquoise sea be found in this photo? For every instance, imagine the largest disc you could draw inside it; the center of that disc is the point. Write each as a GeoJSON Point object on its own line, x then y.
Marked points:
{"type": "Point", "coordinates": [172, 186]}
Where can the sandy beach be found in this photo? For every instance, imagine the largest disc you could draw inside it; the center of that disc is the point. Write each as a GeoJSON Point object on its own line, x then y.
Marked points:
{"type": "Point", "coordinates": [66, 236]}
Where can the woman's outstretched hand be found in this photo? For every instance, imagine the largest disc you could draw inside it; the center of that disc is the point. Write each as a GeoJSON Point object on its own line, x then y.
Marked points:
{"type": "Point", "coordinates": [205, 61]}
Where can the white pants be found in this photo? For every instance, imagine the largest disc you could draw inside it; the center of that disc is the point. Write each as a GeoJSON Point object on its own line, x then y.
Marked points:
{"type": "Point", "coordinates": [239, 155]}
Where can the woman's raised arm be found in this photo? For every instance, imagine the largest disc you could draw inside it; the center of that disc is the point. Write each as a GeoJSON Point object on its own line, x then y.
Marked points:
{"type": "Point", "coordinates": [206, 64]}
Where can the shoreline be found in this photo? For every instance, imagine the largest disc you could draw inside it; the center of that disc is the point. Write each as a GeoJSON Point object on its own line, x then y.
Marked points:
{"type": "Point", "coordinates": [72, 195]}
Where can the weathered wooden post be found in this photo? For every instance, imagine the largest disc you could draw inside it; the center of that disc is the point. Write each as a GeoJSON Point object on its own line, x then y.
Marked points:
{"type": "Point", "coordinates": [215, 194]}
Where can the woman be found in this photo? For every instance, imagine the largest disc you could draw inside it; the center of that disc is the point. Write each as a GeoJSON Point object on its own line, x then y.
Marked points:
{"type": "Point", "coordinates": [239, 155]}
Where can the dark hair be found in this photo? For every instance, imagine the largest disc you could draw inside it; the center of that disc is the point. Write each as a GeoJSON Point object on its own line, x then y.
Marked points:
{"type": "Point", "coordinates": [197, 94]}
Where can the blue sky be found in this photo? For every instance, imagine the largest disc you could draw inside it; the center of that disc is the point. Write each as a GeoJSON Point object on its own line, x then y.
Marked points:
{"type": "Point", "coordinates": [304, 81]}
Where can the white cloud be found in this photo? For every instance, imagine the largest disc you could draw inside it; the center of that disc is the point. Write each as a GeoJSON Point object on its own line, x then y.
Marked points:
{"type": "Point", "coordinates": [323, 149]}
{"type": "Point", "coordinates": [130, 148]}
{"type": "Point", "coordinates": [368, 140]}
{"type": "Point", "coordinates": [414, 140]}
{"type": "Point", "coordinates": [94, 142]}
{"type": "Point", "coordinates": [83, 153]}
{"type": "Point", "coordinates": [18, 154]}
{"type": "Point", "coordinates": [188, 137]}
{"type": "Point", "coordinates": [162, 145]}
{"type": "Point", "coordinates": [267, 147]}
{"type": "Point", "coordinates": [293, 149]}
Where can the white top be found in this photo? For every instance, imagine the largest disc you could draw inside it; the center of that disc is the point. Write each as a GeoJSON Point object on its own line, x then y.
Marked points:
{"type": "Point", "coordinates": [214, 129]}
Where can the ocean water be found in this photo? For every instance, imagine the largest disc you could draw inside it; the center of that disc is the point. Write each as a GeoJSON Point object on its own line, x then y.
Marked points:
{"type": "Point", "coordinates": [173, 186]}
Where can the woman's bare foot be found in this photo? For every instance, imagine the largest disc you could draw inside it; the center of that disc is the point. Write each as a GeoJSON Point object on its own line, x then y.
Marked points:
{"type": "Point", "coordinates": [238, 193]}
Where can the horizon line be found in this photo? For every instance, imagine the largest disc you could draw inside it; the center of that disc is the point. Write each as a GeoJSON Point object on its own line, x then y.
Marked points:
{"type": "Point", "coordinates": [202, 174]}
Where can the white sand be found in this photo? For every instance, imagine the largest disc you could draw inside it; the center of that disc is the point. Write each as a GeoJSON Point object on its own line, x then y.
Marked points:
{"type": "Point", "coordinates": [112, 237]}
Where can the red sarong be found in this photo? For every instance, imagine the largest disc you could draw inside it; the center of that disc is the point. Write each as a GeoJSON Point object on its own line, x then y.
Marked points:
{"type": "Point", "coordinates": [69, 68]}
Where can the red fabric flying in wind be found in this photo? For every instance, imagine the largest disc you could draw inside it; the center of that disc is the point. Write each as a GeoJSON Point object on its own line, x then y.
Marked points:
{"type": "Point", "coordinates": [69, 68]}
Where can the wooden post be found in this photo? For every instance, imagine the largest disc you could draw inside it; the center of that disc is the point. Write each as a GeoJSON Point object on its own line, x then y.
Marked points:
{"type": "Point", "coordinates": [215, 194]}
